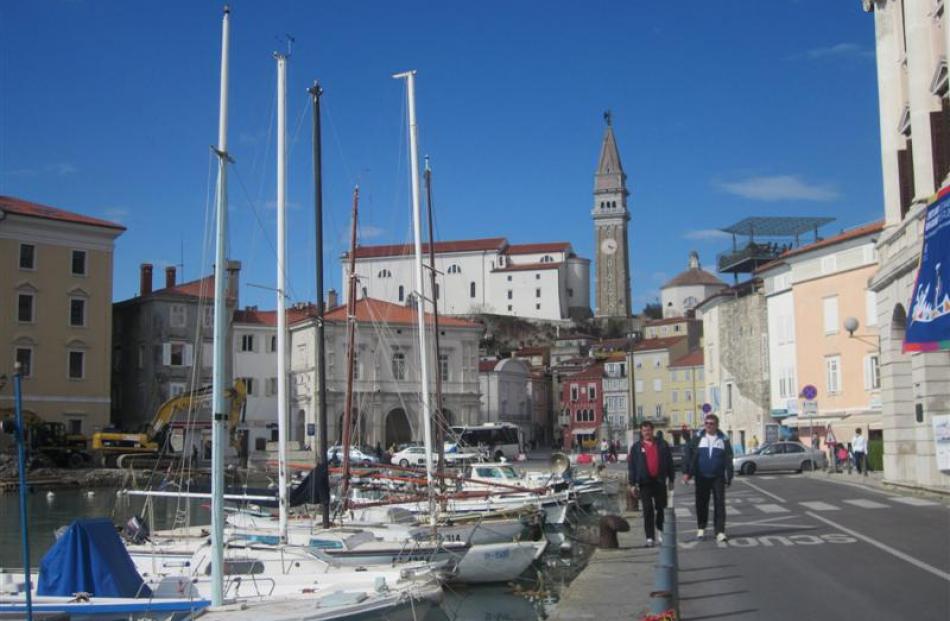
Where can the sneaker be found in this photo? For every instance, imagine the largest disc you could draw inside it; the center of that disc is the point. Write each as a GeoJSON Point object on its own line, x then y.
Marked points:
{"type": "Point", "coordinates": [659, 537]}
{"type": "Point", "coordinates": [701, 534]}
{"type": "Point", "coordinates": [648, 544]}
{"type": "Point", "coordinates": [721, 537]}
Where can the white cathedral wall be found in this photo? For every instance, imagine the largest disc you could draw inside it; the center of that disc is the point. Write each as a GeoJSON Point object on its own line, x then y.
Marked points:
{"type": "Point", "coordinates": [524, 301]}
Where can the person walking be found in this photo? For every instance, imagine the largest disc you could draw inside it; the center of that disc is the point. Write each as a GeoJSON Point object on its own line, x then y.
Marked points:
{"type": "Point", "coordinates": [859, 445]}
{"type": "Point", "coordinates": [604, 450]}
{"type": "Point", "coordinates": [831, 444]}
{"type": "Point", "coordinates": [754, 445]}
{"type": "Point", "coordinates": [710, 463]}
{"type": "Point", "coordinates": [649, 475]}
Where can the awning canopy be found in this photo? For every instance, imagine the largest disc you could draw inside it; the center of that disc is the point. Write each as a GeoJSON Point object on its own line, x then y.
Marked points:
{"type": "Point", "coordinates": [584, 431]}
{"type": "Point", "coordinates": [871, 420]}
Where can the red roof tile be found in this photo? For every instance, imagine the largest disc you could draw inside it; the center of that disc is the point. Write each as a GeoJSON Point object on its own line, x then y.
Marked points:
{"type": "Point", "coordinates": [661, 343]}
{"type": "Point", "coordinates": [371, 310]}
{"type": "Point", "coordinates": [668, 320]}
{"type": "Point", "coordinates": [528, 266]}
{"type": "Point", "coordinates": [692, 359]}
{"type": "Point", "coordinates": [859, 231]}
{"type": "Point", "coordinates": [269, 317]}
{"type": "Point", "coordinates": [538, 248]}
{"type": "Point", "coordinates": [594, 371]}
{"type": "Point", "coordinates": [487, 366]}
{"type": "Point", "coordinates": [9, 204]}
{"type": "Point", "coordinates": [396, 250]}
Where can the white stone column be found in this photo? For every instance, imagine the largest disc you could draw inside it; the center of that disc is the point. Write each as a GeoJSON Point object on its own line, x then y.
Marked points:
{"type": "Point", "coordinates": [890, 102]}
{"type": "Point", "coordinates": [921, 64]}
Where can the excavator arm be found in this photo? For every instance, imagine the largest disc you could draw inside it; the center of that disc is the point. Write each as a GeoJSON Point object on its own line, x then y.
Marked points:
{"type": "Point", "coordinates": [238, 396]}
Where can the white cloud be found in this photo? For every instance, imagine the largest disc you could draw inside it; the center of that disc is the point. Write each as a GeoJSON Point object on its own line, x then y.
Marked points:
{"type": "Point", "coordinates": [839, 50]}
{"type": "Point", "coordinates": [116, 214]}
{"type": "Point", "coordinates": [62, 168]}
{"type": "Point", "coordinates": [705, 234]}
{"type": "Point", "coordinates": [370, 232]}
{"type": "Point", "coordinates": [778, 188]}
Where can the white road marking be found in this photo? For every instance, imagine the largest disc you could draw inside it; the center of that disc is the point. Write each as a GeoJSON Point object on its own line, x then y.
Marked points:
{"type": "Point", "coordinates": [914, 502]}
{"type": "Point", "coordinates": [730, 510]}
{"type": "Point", "coordinates": [762, 491]}
{"type": "Point", "coordinates": [771, 508]}
{"type": "Point", "coordinates": [877, 544]}
{"type": "Point", "coordinates": [682, 512]}
{"type": "Point", "coordinates": [866, 504]}
{"type": "Point", "coordinates": [817, 505]}
{"type": "Point", "coordinates": [767, 478]}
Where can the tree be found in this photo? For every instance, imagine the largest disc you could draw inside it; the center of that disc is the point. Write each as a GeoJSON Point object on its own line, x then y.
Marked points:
{"type": "Point", "coordinates": [653, 310]}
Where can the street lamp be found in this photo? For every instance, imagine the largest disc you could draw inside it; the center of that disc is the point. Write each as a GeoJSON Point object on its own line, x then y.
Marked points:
{"type": "Point", "coordinates": [851, 324]}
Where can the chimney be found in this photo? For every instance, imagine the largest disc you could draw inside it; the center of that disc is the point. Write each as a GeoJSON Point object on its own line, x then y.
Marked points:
{"type": "Point", "coordinates": [169, 276]}
{"type": "Point", "coordinates": [331, 299]}
{"type": "Point", "coordinates": [233, 285]}
{"type": "Point", "coordinates": [145, 279]}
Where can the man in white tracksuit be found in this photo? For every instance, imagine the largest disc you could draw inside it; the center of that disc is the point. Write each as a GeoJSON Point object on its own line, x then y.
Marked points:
{"type": "Point", "coordinates": [859, 446]}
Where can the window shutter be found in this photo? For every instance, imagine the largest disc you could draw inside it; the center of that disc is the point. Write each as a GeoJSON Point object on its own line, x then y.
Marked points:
{"type": "Point", "coordinates": [166, 354]}
{"type": "Point", "coordinates": [189, 354]}
{"type": "Point", "coordinates": [868, 378]}
{"type": "Point", "coordinates": [905, 174]}
{"type": "Point", "coordinates": [940, 142]}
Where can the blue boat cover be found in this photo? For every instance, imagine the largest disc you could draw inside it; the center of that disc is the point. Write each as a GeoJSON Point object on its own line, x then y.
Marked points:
{"type": "Point", "coordinates": [90, 558]}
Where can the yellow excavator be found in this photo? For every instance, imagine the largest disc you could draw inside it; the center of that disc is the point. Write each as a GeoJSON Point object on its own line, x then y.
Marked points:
{"type": "Point", "coordinates": [107, 446]}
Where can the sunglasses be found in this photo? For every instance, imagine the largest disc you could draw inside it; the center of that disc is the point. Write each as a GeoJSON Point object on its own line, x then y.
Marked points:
{"type": "Point", "coordinates": [710, 422]}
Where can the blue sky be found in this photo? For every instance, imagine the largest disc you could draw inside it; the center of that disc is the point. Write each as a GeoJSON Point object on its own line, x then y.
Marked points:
{"type": "Point", "coordinates": [722, 110]}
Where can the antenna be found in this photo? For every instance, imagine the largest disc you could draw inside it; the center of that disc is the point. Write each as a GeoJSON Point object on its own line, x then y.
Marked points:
{"type": "Point", "coordinates": [290, 46]}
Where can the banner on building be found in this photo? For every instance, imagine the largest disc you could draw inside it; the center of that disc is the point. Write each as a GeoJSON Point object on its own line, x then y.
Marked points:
{"type": "Point", "coordinates": [928, 322]}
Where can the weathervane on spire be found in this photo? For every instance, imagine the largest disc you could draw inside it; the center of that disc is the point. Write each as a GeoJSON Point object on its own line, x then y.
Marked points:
{"type": "Point", "coordinates": [607, 117]}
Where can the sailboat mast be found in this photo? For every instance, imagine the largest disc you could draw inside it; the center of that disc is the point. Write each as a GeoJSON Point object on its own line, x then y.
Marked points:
{"type": "Point", "coordinates": [410, 77]}
{"type": "Point", "coordinates": [350, 355]}
{"type": "Point", "coordinates": [281, 294]}
{"type": "Point", "coordinates": [439, 417]}
{"type": "Point", "coordinates": [219, 407]}
{"type": "Point", "coordinates": [320, 350]}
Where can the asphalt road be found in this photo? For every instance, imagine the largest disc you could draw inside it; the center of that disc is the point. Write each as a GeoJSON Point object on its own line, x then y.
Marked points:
{"type": "Point", "coordinates": [805, 548]}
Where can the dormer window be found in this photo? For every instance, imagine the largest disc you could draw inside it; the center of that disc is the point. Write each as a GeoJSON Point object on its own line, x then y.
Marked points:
{"type": "Point", "coordinates": [547, 259]}
{"type": "Point", "coordinates": [454, 269]}
{"type": "Point", "coordinates": [384, 273]}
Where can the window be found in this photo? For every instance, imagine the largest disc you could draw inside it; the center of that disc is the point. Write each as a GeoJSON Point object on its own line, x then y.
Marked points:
{"type": "Point", "coordinates": [638, 364]}
{"type": "Point", "coordinates": [570, 292]}
{"type": "Point", "coordinates": [249, 384]}
{"type": "Point", "coordinates": [574, 392]}
{"type": "Point", "coordinates": [509, 308]}
{"type": "Point", "coordinates": [273, 343]}
{"type": "Point", "coordinates": [547, 259]}
{"type": "Point", "coordinates": [657, 385]}
{"type": "Point", "coordinates": [830, 307]}
{"type": "Point", "coordinates": [175, 389]}
{"type": "Point", "coordinates": [77, 312]}
{"type": "Point", "coordinates": [141, 357]}
{"type": "Point", "coordinates": [364, 293]}
{"type": "Point", "coordinates": [728, 396]}
{"type": "Point", "coordinates": [79, 262]}
{"type": "Point", "coordinates": [444, 366]}
{"type": "Point", "coordinates": [177, 315]}
{"type": "Point", "coordinates": [658, 410]}
{"type": "Point", "coordinates": [657, 362]}
{"type": "Point", "coordinates": [537, 292]}
{"type": "Point", "coordinates": [591, 392]}
{"type": "Point", "coordinates": [399, 365]}
{"type": "Point", "coordinates": [454, 269]}
{"type": "Point", "coordinates": [74, 425]}
{"type": "Point", "coordinates": [870, 307]}
{"type": "Point", "coordinates": [674, 396]}
{"type": "Point", "coordinates": [829, 264]}
{"type": "Point", "coordinates": [471, 289]}
{"type": "Point", "coordinates": [24, 355]}
{"type": "Point", "coordinates": [76, 364]}
{"type": "Point", "coordinates": [384, 273]}
{"type": "Point", "coordinates": [537, 306]}
{"type": "Point", "coordinates": [27, 256]}
{"type": "Point", "coordinates": [247, 342]}
{"type": "Point", "coordinates": [688, 395]}
{"type": "Point", "coordinates": [24, 312]}
{"type": "Point", "coordinates": [402, 293]}
{"type": "Point", "coordinates": [510, 294]}
{"type": "Point", "coordinates": [872, 372]}
{"type": "Point", "coordinates": [436, 291]}
{"type": "Point", "coordinates": [833, 374]}
{"type": "Point", "coordinates": [673, 375]}
{"type": "Point", "coordinates": [270, 388]}
{"type": "Point", "coordinates": [177, 354]}
{"type": "Point", "coordinates": [638, 385]}
{"type": "Point", "coordinates": [509, 278]}
{"type": "Point", "coordinates": [537, 276]}
{"type": "Point", "coordinates": [639, 412]}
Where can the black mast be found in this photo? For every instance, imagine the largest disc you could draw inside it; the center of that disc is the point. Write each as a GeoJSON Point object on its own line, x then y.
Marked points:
{"type": "Point", "coordinates": [439, 418]}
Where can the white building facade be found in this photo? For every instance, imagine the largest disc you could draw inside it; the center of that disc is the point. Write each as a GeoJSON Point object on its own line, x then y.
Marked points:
{"type": "Point", "coordinates": [504, 392]}
{"type": "Point", "coordinates": [688, 288]}
{"type": "Point", "coordinates": [537, 281]}
{"type": "Point", "coordinates": [780, 308]}
{"type": "Point", "coordinates": [912, 48]}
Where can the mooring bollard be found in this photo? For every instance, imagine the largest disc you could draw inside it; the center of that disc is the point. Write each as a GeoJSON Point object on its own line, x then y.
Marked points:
{"type": "Point", "coordinates": [610, 525]}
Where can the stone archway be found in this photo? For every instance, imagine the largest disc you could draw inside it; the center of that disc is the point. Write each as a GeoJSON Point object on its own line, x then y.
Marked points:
{"type": "Point", "coordinates": [398, 429]}
{"type": "Point", "coordinates": [357, 429]}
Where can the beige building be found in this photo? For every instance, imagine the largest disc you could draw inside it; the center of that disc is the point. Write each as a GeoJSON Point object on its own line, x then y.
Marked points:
{"type": "Point", "coordinates": [912, 48]}
{"type": "Point", "coordinates": [649, 364]}
{"type": "Point", "coordinates": [687, 393]}
{"type": "Point", "coordinates": [57, 283]}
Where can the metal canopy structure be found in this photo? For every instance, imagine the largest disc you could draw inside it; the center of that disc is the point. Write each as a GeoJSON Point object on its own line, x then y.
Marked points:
{"type": "Point", "coordinates": [776, 226]}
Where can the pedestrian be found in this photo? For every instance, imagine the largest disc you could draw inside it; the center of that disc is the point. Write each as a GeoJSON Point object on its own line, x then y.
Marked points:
{"type": "Point", "coordinates": [859, 444]}
{"type": "Point", "coordinates": [710, 463]}
{"type": "Point", "coordinates": [613, 452]}
{"type": "Point", "coordinates": [754, 444]}
{"type": "Point", "coordinates": [649, 475]}
{"type": "Point", "coordinates": [830, 443]}
{"type": "Point", "coordinates": [604, 450]}
{"type": "Point", "coordinates": [379, 451]}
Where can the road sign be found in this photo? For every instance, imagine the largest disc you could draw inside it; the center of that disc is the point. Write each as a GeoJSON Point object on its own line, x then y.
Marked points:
{"type": "Point", "coordinates": [809, 392]}
{"type": "Point", "coordinates": [810, 408]}
{"type": "Point", "coordinates": [707, 408]}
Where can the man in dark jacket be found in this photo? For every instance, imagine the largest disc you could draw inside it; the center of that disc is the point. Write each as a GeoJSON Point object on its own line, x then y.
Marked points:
{"type": "Point", "coordinates": [710, 463]}
{"type": "Point", "coordinates": [649, 473]}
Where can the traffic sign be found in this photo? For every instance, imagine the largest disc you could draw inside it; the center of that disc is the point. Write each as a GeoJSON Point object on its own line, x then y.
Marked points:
{"type": "Point", "coordinates": [809, 392]}
{"type": "Point", "coordinates": [810, 408]}
{"type": "Point", "coordinates": [707, 408]}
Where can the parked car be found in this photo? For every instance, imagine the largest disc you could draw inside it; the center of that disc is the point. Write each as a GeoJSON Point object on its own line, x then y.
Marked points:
{"type": "Point", "coordinates": [774, 456]}
{"type": "Point", "coordinates": [357, 456]}
{"type": "Point", "coordinates": [416, 456]}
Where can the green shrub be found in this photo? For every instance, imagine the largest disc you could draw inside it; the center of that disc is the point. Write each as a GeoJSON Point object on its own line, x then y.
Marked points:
{"type": "Point", "coordinates": [876, 454]}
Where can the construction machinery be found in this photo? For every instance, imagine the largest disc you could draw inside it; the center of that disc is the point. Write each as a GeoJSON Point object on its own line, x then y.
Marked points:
{"type": "Point", "coordinates": [108, 446]}
{"type": "Point", "coordinates": [50, 439]}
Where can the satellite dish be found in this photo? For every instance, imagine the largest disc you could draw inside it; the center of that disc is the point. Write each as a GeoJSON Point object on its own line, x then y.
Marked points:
{"type": "Point", "coordinates": [559, 463]}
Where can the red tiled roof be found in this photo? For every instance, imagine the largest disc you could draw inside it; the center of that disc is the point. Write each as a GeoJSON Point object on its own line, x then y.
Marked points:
{"type": "Point", "coordinates": [487, 366]}
{"type": "Point", "coordinates": [371, 310]}
{"type": "Point", "coordinates": [9, 204]}
{"type": "Point", "coordinates": [668, 320]}
{"type": "Point", "coordinates": [396, 250]}
{"type": "Point", "coordinates": [528, 266]}
{"type": "Point", "coordinates": [538, 248]}
{"type": "Point", "coordinates": [269, 317]}
{"type": "Point", "coordinates": [201, 288]}
{"type": "Point", "coordinates": [692, 359]}
{"type": "Point", "coordinates": [859, 231]}
{"type": "Point", "coordinates": [693, 276]}
{"type": "Point", "coordinates": [661, 343]}
{"type": "Point", "coordinates": [616, 356]}
{"type": "Point", "coordinates": [531, 351]}
{"type": "Point", "coordinates": [594, 371]}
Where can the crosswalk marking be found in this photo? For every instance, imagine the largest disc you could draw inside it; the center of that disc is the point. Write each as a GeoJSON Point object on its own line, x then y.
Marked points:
{"type": "Point", "coordinates": [730, 510]}
{"type": "Point", "coordinates": [682, 512]}
{"type": "Point", "coordinates": [771, 508]}
{"type": "Point", "coordinates": [767, 478]}
{"type": "Point", "coordinates": [866, 504]}
{"type": "Point", "coordinates": [819, 506]}
{"type": "Point", "coordinates": [914, 502]}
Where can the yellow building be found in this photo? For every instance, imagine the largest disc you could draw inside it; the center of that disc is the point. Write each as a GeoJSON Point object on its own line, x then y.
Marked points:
{"type": "Point", "coordinates": [56, 311]}
{"type": "Point", "coordinates": [650, 375]}
{"type": "Point", "coordinates": [687, 394]}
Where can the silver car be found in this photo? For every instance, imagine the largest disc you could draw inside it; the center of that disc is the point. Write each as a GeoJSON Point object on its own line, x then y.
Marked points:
{"type": "Point", "coordinates": [786, 455]}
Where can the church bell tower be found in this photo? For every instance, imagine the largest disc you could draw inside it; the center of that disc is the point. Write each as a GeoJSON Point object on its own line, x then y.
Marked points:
{"type": "Point", "coordinates": [610, 230]}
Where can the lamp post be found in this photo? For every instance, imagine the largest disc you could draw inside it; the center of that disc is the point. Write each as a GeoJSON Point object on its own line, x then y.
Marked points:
{"type": "Point", "coordinates": [851, 324]}
{"type": "Point", "coordinates": [16, 426]}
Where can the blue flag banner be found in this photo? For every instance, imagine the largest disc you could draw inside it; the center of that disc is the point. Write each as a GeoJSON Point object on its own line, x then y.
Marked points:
{"type": "Point", "coordinates": [928, 325]}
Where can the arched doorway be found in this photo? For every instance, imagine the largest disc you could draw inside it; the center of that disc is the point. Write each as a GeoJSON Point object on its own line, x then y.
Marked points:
{"type": "Point", "coordinates": [398, 429]}
{"type": "Point", "coordinates": [357, 429]}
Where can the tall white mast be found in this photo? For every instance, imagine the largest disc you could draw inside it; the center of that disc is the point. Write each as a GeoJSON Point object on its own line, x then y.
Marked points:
{"type": "Point", "coordinates": [281, 294]}
{"type": "Point", "coordinates": [219, 407]}
{"type": "Point", "coordinates": [410, 77]}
